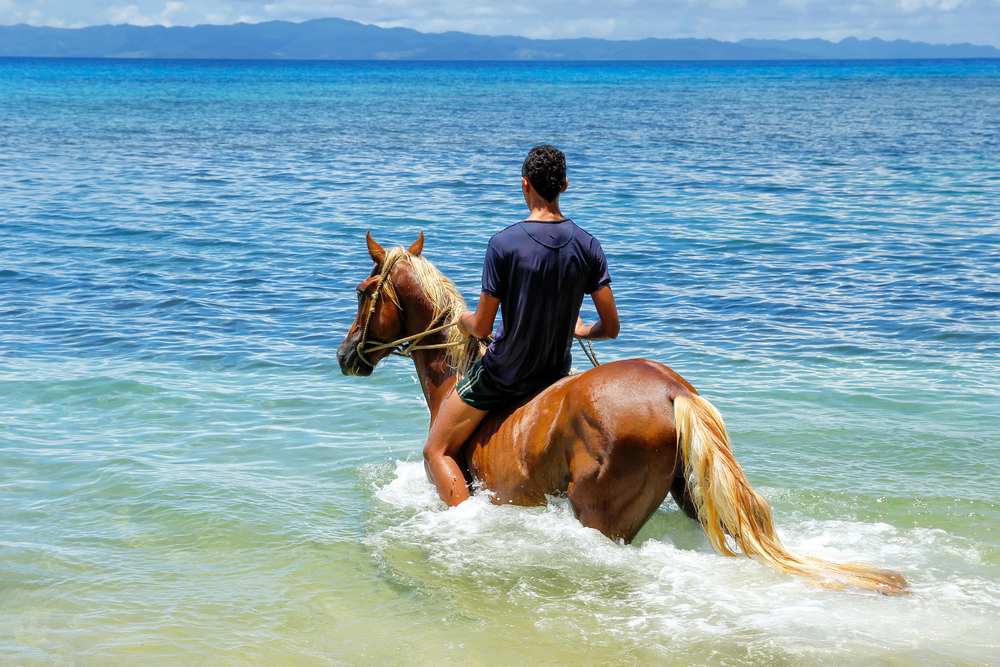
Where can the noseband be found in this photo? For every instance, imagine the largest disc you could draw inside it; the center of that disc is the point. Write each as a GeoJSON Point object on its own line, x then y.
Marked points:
{"type": "Point", "coordinates": [403, 347]}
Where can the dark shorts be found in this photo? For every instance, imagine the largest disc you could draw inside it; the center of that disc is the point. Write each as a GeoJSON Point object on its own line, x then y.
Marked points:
{"type": "Point", "coordinates": [478, 391]}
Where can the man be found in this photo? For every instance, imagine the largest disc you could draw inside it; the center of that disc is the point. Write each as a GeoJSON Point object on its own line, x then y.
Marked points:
{"type": "Point", "coordinates": [537, 271]}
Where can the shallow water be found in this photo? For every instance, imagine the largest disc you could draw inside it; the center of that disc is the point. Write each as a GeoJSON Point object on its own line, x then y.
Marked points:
{"type": "Point", "coordinates": [188, 479]}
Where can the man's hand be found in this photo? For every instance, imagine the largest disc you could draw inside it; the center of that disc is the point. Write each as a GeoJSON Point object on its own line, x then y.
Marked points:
{"type": "Point", "coordinates": [465, 323]}
{"type": "Point", "coordinates": [606, 327]}
{"type": "Point", "coordinates": [480, 323]}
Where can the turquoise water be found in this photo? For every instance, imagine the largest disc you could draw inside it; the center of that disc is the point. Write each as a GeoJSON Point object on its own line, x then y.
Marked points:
{"type": "Point", "coordinates": [187, 478]}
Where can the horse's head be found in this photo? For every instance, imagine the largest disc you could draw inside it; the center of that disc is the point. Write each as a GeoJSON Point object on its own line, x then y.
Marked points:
{"type": "Point", "coordinates": [380, 314]}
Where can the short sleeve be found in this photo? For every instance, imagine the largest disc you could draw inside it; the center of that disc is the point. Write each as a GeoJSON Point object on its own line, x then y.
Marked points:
{"type": "Point", "coordinates": [492, 284]}
{"type": "Point", "coordinates": [599, 275]}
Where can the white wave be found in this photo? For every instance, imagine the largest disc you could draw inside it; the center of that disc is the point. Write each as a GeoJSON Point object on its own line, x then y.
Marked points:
{"type": "Point", "coordinates": [571, 579]}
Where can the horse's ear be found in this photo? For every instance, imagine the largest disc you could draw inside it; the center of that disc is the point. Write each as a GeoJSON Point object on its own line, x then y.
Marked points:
{"type": "Point", "coordinates": [417, 246]}
{"type": "Point", "coordinates": [374, 249]}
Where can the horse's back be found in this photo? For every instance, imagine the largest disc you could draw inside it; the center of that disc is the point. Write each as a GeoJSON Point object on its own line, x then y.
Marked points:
{"type": "Point", "coordinates": [605, 437]}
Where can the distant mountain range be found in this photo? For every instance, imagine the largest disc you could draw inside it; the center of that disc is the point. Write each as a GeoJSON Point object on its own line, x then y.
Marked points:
{"type": "Point", "coordinates": [337, 39]}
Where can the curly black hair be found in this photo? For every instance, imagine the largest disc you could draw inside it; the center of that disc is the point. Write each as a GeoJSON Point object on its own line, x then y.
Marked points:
{"type": "Point", "coordinates": [545, 169]}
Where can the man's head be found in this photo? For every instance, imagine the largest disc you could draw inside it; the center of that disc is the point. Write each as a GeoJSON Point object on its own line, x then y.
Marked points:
{"type": "Point", "coordinates": [545, 169]}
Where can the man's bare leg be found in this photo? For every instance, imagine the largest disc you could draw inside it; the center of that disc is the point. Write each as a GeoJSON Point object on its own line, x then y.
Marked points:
{"type": "Point", "coordinates": [454, 424]}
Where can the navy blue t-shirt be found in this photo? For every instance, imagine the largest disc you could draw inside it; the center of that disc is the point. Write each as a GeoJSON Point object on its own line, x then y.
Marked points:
{"type": "Point", "coordinates": [540, 272]}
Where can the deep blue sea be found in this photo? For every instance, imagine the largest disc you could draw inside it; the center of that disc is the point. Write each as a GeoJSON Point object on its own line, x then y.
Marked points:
{"type": "Point", "coordinates": [186, 478]}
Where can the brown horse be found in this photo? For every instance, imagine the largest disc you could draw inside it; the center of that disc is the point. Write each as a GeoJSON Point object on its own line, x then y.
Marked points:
{"type": "Point", "coordinates": [615, 439]}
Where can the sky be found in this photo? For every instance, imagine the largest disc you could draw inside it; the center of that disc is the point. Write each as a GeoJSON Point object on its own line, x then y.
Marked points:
{"type": "Point", "coordinates": [934, 21]}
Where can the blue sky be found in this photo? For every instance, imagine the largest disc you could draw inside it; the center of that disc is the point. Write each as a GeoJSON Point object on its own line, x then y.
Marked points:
{"type": "Point", "coordinates": [935, 21]}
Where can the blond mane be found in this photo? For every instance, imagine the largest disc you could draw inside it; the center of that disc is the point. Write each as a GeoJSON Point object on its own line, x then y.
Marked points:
{"type": "Point", "coordinates": [447, 303]}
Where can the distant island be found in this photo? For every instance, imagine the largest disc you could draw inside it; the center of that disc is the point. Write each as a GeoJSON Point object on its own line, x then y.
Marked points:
{"type": "Point", "coordinates": [338, 39]}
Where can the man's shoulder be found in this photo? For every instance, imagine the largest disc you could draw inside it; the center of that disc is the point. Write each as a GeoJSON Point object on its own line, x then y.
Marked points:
{"type": "Point", "coordinates": [510, 230]}
{"type": "Point", "coordinates": [585, 239]}
{"type": "Point", "coordinates": [515, 239]}
{"type": "Point", "coordinates": [581, 232]}
{"type": "Point", "coordinates": [516, 230]}
{"type": "Point", "coordinates": [507, 236]}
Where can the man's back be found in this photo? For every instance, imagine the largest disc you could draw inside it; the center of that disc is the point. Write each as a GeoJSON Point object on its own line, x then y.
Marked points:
{"type": "Point", "coordinates": [540, 272]}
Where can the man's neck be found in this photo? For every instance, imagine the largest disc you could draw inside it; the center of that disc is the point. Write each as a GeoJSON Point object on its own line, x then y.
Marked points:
{"type": "Point", "coordinates": [545, 211]}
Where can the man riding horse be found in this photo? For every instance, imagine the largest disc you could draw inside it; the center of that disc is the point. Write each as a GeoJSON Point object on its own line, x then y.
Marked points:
{"type": "Point", "coordinates": [537, 272]}
{"type": "Point", "coordinates": [614, 440]}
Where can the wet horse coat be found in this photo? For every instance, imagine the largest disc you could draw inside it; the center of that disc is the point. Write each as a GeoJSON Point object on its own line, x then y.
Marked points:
{"type": "Point", "coordinates": [605, 438]}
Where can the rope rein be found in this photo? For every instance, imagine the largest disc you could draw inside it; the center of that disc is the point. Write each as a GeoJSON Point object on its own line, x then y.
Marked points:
{"type": "Point", "coordinates": [404, 347]}
{"type": "Point", "coordinates": [588, 350]}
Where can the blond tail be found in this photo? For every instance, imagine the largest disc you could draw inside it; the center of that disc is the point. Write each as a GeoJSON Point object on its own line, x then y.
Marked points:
{"type": "Point", "coordinates": [726, 504]}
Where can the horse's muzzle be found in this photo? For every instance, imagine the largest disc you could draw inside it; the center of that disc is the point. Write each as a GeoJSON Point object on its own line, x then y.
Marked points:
{"type": "Point", "coordinates": [349, 359]}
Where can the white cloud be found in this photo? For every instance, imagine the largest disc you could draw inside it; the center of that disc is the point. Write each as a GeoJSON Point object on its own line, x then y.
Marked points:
{"type": "Point", "coordinates": [727, 4]}
{"type": "Point", "coordinates": [132, 15]}
{"type": "Point", "coordinates": [912, 6]}
{"type": "Point", "coordinates": [9, 12]}
{"type": "Point", "coordinates": [129, 14]}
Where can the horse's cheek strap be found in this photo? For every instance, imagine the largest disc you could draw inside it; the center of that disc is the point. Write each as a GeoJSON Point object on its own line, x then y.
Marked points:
{"type": "Point", "coordinates": [364, 331]}
{"type": "Point", "coordinates": [383, 279]}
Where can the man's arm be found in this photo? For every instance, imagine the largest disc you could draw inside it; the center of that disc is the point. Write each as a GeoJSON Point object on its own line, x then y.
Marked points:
{"type": "Point", "coordinates": [607, 326]}
{"type": "Point", "coordinates": [480, 323]}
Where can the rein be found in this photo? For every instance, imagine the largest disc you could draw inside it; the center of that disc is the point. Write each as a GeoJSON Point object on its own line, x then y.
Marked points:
{"type": "Point", "coordinates": [591, 355]}
{"type": "Point", "coordinates": [410, 344]}
{"type": "Point", "coordinates": [407, 345]}
{"type": "Point", "coordinates": [408, 349]}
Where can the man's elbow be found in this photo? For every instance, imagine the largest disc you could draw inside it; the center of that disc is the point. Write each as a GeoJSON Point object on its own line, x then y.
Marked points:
{"type": "Point", "coordinates": [609, 328]}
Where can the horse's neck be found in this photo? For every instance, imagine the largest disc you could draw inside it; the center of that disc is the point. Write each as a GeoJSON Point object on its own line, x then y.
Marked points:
{"type": "Point", "coordinates": [436, 376]}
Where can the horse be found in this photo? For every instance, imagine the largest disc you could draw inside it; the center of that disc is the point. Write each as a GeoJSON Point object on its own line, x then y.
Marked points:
{"type": "Point", "coordinates": [614, 440]}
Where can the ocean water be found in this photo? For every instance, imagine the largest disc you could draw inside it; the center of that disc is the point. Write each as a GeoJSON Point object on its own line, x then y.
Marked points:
{"type": "Point", "coordinates": [186, 478]}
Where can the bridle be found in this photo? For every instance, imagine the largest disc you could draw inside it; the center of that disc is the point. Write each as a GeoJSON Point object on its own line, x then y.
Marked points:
{"type": "Point", "coordinates": [408, 345]}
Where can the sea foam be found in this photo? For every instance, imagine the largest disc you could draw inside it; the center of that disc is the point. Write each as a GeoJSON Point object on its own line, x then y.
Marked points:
{"type": "Point", "coordinates": [569, 578]}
